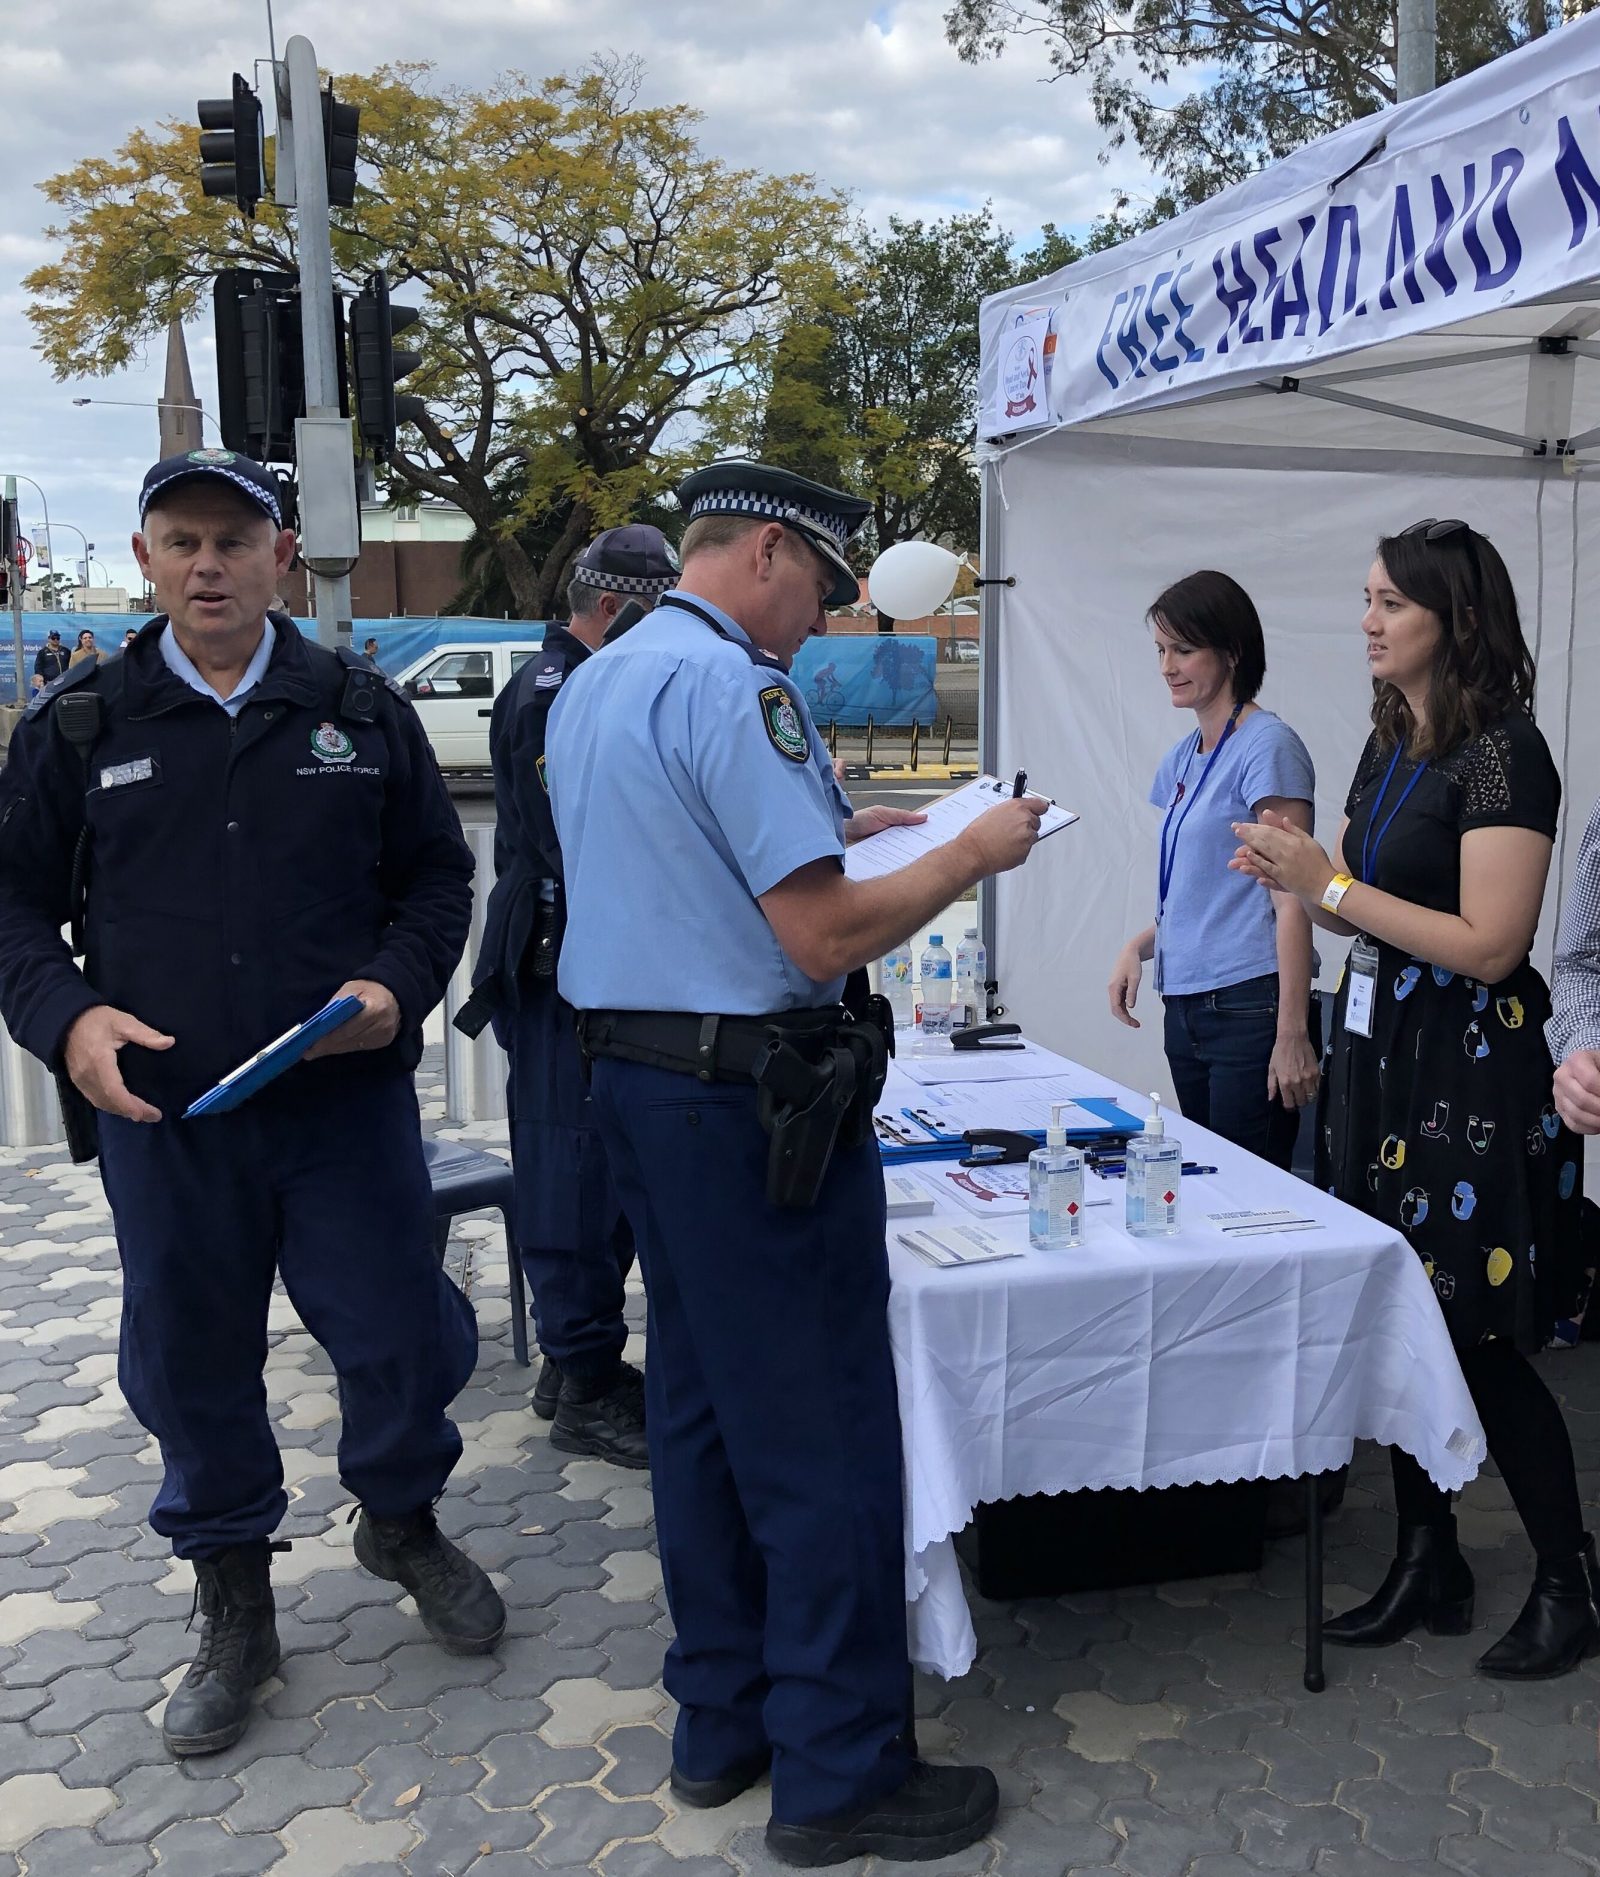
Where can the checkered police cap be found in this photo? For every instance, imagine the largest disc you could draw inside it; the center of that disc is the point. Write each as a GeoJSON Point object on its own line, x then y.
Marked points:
{"type": "Point", "coordinates": [826, 519]}
{"type": "Point", "coordinates": [635, 559]}
{"type": "Point", "coordinates": [246, 475]}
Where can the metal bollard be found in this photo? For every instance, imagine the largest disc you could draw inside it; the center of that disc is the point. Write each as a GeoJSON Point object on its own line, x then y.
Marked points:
{"type": "Point", "coordinates": [474, 1068]}
{"type": "Point", "coordinates": [30, 1114]}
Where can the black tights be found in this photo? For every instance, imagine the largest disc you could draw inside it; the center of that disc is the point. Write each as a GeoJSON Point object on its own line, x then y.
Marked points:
{"type": "Point", "coordinates": [1529, 1443]}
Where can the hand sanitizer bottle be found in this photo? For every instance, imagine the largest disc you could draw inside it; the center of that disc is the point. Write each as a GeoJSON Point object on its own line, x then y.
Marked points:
{"type": "Point", "coordinates": [1055, 1190]}
{"type": "Point", "coordinates": [1155, 1174]}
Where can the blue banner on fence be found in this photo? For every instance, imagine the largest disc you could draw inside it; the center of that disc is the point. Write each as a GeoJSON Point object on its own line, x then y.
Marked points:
{"type": "Point", "coordinates": [400, 641]}
{"type": "Point", "coordinates": [887, 677]}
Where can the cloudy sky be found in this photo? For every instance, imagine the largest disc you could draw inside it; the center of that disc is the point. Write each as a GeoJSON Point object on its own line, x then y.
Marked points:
{"type": "Point", "coordinates": [868, 97]}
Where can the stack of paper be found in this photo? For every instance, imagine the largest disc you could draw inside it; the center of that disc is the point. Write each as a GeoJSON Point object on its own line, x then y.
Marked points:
{"type": "Point", "coordinates": [950, 815]}
{"type": "Point", "coordinates": [950, 1245]}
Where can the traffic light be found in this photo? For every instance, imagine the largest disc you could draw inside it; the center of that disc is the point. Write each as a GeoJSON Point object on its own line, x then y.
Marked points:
{"type": "Point", "coordinates": [375, 364]}
{"type": "Point", "coordinates": [260, 382]}
{"type": "Point", "coordinates": [341, 137]}
{"type": "Point", "coordinates": [233, 153]}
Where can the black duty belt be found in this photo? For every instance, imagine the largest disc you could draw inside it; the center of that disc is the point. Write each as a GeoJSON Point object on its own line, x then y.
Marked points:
{"type": "Point", "coordinates": [714, 1048]}
{"type": "Point", "coordinates": [817, 1074]}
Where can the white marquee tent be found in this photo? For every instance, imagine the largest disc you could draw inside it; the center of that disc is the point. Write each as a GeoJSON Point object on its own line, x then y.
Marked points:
{"type": "Point", "coordinates": [1401, 320]}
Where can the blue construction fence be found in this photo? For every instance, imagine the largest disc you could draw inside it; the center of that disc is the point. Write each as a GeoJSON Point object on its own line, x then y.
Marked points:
{"type": "Point", "coordinates": [846, 680]}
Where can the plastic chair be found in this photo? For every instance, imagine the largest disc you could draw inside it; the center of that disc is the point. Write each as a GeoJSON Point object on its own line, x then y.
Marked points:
{"type": "Point", "coordinates": [466, 1179]}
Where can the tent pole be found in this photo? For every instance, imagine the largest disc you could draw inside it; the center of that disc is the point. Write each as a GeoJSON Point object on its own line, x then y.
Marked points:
{"type": "Point", "coordinates": [1416, 49]}
{"type": "Point", "coordinates": [991, 547]}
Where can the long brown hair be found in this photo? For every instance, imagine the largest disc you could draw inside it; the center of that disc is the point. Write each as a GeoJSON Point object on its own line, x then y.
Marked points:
{"type": "Point", "coordinates": [1483, 668]}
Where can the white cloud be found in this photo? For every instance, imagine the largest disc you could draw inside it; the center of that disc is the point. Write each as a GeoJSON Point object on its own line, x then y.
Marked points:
{"type": "Point", "coordinates": [863, 94]}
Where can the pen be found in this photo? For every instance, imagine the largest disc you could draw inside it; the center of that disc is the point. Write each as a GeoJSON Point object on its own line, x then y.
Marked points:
{"type": "Point", "coordinates": [1118, 1170]}
{"type": "Point", "coordinates": [1019, 785]}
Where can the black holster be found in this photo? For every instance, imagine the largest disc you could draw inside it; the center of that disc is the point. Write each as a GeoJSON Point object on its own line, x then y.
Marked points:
{"type": "Point", "coordinates": [810, 1099]}
{"type": "Point", "coordinates": [78, 1117]}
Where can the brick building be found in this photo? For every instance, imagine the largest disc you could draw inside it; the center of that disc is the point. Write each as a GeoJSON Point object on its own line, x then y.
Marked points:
{"type": "Point", "coordinates": [410, 562]}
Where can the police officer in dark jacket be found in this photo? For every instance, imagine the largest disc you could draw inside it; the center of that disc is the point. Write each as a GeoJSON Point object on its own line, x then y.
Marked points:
{"type": "Point", "coordinates": [263, 825]}
{"type": "Point", "coordinates": [575, 1243]}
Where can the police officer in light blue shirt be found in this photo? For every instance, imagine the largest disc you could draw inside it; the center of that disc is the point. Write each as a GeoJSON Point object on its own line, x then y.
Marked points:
{"type": "Point", "coordinates": [711, 929]}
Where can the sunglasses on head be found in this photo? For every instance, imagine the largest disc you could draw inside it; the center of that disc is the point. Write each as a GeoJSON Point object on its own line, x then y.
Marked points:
{"type": "Point", "coordinates": [1432, 529]}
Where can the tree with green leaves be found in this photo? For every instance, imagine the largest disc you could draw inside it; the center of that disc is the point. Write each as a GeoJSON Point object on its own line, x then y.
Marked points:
{"type": "Point", "coordinates": [601, 298]}
{"type": "Point", "coordinates": [1270, 74]}
{"type": "Point", "coordinates": [881, 394]}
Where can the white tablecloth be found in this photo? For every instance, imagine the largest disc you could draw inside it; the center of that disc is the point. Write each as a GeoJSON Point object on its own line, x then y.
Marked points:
{"type": "Point", "coordinates": [1159, 1362]}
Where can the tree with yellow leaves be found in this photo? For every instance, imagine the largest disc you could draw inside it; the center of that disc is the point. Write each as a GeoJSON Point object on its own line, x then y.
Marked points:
{"type": "Point", "coordinates": [601, 297]}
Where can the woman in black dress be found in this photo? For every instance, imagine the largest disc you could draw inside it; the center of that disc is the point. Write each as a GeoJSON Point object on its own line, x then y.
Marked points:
{"type": "Point", "coordinates": [1436, 1110]}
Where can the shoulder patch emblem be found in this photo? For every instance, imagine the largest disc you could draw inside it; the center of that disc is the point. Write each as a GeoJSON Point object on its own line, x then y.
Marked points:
{"type": "Point", "coordinates": [544, 780]}
{"type": "Point", "coordinates": [784, 728]}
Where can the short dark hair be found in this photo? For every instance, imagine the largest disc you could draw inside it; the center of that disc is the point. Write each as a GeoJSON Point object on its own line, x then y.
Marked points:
{"type": "Point", "coordinates": [1483, 668]}
{"type": "Point", "coordinates": [1212, 611]}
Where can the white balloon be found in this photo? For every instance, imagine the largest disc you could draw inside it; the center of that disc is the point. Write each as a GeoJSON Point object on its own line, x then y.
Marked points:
{"type": "Point", "coordinates": [912, 579]}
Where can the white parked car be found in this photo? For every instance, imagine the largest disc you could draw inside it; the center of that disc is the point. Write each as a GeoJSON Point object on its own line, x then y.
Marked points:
{"type": "Point", "coordinates": [454, 688]}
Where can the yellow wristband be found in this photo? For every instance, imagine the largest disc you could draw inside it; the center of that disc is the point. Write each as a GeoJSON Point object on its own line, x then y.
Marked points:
{"type": "Point", "coordinates": [1335, 891]}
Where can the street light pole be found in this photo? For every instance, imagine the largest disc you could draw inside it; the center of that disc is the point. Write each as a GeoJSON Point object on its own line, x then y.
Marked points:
{"type": "Point", "coordinates": [49, 538]}
{"type": "Point", "coordinates": [1416, 58]}
{"type": "Point", "coordinates": [149, 404]}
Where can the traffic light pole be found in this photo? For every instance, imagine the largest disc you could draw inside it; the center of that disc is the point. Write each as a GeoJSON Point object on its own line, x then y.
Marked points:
{"type": "Point", "coordinates": [14, 581]}
{"type": "Point", "coordinates": [329, 517]}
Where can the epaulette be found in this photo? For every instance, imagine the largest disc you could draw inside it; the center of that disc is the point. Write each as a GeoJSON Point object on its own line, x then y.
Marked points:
{"type": "Point", "coordinates": [551, 670]}
{"type": "Point", "coordinates": [74, 675]}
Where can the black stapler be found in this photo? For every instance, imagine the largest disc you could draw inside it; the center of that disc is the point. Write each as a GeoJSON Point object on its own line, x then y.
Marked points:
{"type": "Point", "coordinates": [988, 1036]}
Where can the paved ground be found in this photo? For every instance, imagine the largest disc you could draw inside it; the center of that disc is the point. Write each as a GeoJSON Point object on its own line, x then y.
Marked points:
{"type": "Point", "coordinates": [1155, 1734]}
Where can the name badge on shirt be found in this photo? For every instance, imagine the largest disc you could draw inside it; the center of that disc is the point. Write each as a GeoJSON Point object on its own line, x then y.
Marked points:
{"type": "Point", "coordinates": [120, 775]}
{"type": "Point", "coordinates": [1361, 975]}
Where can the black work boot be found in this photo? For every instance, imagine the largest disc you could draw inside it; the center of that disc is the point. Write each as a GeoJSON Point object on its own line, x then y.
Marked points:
{"type": "Point", "coordinates": [939, 1810]}
{"type": "Point", "coordinates": [1428, 1583]}
{"type": "Point", "coordinates": [547, 1390]}
{"type": "Point", "coordinates": [604, 1420]}
{"type": "Point", "coordinates": [1559, 1624]}
{"type": "Point", "coordinates": [707, 1794]}
{"type": "Point", "coordinates": [460, 1609]}
{"type": "Point", "coordinates": [210, 1707]}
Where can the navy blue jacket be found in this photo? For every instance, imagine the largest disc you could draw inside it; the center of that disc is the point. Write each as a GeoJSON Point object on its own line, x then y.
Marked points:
{"type": "Point", "coordinates": [241, 869]}
{"type": "Point", "coordinates": [526, 851]}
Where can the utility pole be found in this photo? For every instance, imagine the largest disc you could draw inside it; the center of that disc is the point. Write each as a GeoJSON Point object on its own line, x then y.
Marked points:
{"type": "Point", "coordinates": [330, 521]}
{"type": "Point", "coordinates": [8, 545]}
{"type": "Point", "coordinates": [1416, 60]}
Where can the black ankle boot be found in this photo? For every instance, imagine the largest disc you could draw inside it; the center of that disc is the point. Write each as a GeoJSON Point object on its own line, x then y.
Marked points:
{"type": "Point", "coordinates": [604, 1420]}
{"type": "Point", "coordinates": [210, 1707]}
{"type": "Point", "coordinates": [547, 1390]}
{"type": "Point", "coordinates": [1559, 1624]}
{"type": "Point", "coordinates": [460, 1609]}
{"type": "Point", "coordinates": [1428, 1583]}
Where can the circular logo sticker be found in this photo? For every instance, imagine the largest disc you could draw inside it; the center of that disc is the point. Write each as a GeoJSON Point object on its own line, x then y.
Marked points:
{"type": "Point", "coordinates": [329, 744]}
{"type": "Point", "coordinates": [211, 456]}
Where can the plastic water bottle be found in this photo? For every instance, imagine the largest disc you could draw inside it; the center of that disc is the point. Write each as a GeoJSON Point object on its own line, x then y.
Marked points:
{"type": "Point", "coordinates": [938, 988]}
{"type": "Point", "coordinates": [1154, 1179]}
{"type": "Point", "coordinates": [1055, 1189]}
{"type": "Point", "coordinates": [899, 986]}
{"type": "Point", "coordinates": [972, 970]}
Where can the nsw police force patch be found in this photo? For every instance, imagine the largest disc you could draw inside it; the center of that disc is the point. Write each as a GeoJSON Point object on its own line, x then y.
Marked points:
{"type": "Point", "coordinates": [784, 728]}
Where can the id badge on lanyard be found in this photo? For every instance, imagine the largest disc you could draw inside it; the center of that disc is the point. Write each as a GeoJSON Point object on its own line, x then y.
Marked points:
{"type": "Point", "coordinates": [1361, 987]}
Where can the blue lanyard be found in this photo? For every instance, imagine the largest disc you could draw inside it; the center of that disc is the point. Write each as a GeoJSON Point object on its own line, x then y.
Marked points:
{"type": "Point", "coordinates": [1169, 855]}
{"type": "Point", "coordinates": [1370, 847]}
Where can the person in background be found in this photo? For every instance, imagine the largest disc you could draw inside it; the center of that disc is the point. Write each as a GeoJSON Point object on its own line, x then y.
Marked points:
{"type": "Point", "coordinates": [1233, 969]}
{"type": "Point", "coordinates": [369, 649]}
{"type": "Point", "coordinates": [129, 636]}
{"type": "Point", "coordinates": [85, 648]}
{"type": "Point", "coordinates": [50, 660]}
{"type": "Point", "coordinates": [574, 1242]}
{"type": "Point", "coordinates": [1438, 1112]}
{"type": "Point", "coordinates": [1573, 1031]}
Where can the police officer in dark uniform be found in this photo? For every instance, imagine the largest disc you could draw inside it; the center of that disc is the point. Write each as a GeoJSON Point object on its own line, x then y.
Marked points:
{"type": "Point", "coordinates": [710, 931]}
{"type": "Point", "coordinates": [260, 824]}
{"type": "Point", "coordinates": [573, 1238]}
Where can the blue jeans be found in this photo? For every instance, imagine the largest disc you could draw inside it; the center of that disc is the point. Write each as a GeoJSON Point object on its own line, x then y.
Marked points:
{"type": "Point", "coordinates": [1218, 1045]}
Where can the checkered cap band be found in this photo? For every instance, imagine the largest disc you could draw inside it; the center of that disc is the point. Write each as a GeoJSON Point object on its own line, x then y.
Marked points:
{"type": "Point", "coordinates": [263, 498]}
{"type": "Point", "coordinates": [656, 584]}
{"type": "Point", "coordinates": [773, 508]}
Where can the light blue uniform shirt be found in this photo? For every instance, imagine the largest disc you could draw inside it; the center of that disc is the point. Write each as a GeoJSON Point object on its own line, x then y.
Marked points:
{"type": "Point", "coordinates": [1219, 927]}
{"type": "Point", "coordinates": [183, 666]}
{"type": "Point", "coordinates": [678, 804]}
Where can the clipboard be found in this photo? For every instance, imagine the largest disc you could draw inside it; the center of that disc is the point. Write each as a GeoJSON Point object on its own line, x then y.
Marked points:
{"type": "Point", "coordinates": [266, 1065]}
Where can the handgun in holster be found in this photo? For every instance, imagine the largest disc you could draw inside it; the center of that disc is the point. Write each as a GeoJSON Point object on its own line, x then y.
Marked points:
{"type": "Point", "coordinates": [815, 1089]}
{"type": "Point", "coordinates": [78, 716]}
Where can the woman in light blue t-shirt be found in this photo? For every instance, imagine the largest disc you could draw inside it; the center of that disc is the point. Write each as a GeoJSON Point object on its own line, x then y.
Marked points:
{"type": "Point", "coordinates": [1232, 968]}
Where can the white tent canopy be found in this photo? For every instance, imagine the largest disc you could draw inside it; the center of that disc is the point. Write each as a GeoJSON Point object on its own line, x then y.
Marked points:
{"type": "Point", "coordinates": [1398, 321]}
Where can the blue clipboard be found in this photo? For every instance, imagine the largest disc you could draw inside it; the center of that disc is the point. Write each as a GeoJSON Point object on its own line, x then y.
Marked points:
{"type": "Point", "coordinates": [1111, 1119]}
{"type": "Point", "coordinates": [269, 1063]}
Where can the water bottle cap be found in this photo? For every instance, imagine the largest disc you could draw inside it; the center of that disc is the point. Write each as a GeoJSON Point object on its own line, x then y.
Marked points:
{"type": "Point", "coordinates": [934, 939]}
{"type": "Point", "coordinates": [972, 931]}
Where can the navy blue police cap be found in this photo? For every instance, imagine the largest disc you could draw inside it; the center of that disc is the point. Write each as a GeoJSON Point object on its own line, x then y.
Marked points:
{"type": "Point", "coordinates": [825, 519]}
{"type": "Point", "coordinates": [247, 476]}
{"type": "Point", "coordinates": [635, 559]}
